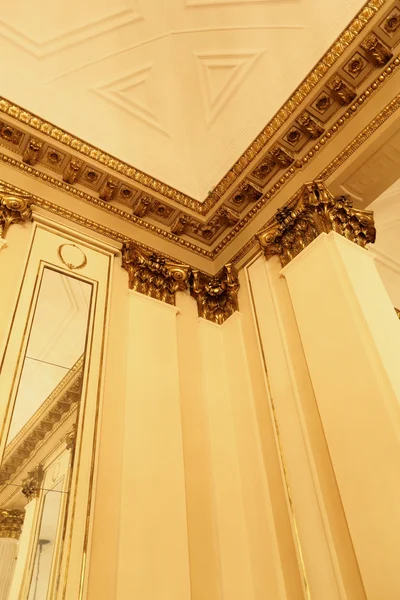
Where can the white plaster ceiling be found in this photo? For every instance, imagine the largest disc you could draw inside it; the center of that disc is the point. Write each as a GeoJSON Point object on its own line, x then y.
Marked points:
{"type": "Point", "coordinates": [177, 88]}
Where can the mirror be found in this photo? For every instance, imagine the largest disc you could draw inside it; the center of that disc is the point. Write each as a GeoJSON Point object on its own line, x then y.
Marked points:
{"type": "Point", "coordinates": [35, 470]}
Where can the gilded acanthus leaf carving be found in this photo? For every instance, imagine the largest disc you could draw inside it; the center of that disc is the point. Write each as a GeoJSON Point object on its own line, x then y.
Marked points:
{"type": "Point", "coordinates": [152, 274]}
{"type": "Point", "coordinates": [32, 483]}
{"type": "Point", "coordinates": [314, 210]}
{"type": "Point", "coordinates": [14, 207]}
{"type": "Point", "coordinates": [11, 521]}
{"type": "Point", "coordinates": [216, 297]}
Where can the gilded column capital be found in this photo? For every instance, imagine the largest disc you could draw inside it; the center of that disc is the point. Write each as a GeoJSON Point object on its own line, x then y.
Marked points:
{"type": "Point", "coordinates": [312, 211]}
{"type": "Point", "coordinates": [216, 297]}
{"type": "Point", "coordinates": [11, 521]}
{"type": "Point", "coordinates": [152, 274]}
{"type": "Point", "coordinates": [32, 483]}
{"type": "Point", "coordinates": [14, 207]}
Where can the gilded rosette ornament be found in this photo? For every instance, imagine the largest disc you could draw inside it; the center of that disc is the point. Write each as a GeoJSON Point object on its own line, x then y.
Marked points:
{"type": "Point", "coordinates": [11, 521]}
{"type": "Point", "coordinates": [31, 485]}
{"type": "Point", "coordinates": [152, 274]}
{"type": "Point", "coordinates": [216, 297]}
{"type": "Point", "coordinates": [314, 210]}
{"type": "Point", "coordinates": [14, 207]}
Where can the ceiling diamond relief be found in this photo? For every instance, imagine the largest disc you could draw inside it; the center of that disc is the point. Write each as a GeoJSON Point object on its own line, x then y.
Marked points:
{"type": "Point", "coordinates": [42, 28]}
{"type": "Point", "coordinates": [131, 94]}
{"type": "Point", "coordinates": [221, 74]}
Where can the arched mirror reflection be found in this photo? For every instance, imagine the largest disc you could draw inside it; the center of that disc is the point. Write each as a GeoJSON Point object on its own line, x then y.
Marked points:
{"type": "Point", "coordinates": [36, 466]}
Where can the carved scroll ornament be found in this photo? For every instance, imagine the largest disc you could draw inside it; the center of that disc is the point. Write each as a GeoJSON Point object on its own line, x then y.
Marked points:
{"type": "Point", "coordinates": [153, 275]}
{"type": "Point", "coordinates": [14, 207]}
{"type": "Point", "coordinates": [216, 297]}
{"type": "Point", "coordinates": [313, 211]}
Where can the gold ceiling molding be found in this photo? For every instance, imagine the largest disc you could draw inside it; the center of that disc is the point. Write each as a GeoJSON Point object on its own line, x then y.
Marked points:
{"type": "Point", "coordinates": [300, 94]}
{"type": "Point", "coordinates": [361, 138]}
{"type": "Point", "coordinates": [314, 211]}
{"type": "Point", "coordinates": [50, 206]}
{"type": "Point", "coordinates": [15, 207]}
{"type": "Point", "coordinates": [342, 157]}
{"type": "Point", "coordinates": [32, 483]}
{"type": "Point", "coordinates": [322, 142]}
{"type": "Point", "coordinates": [11, 521]}
{"type": "Point", "coordinates": [151, 274]}
{"type": "Point", "coordinates": [337, 49]}
{"type": "Point", "coordinates": [216, 297]}
{"type": "Point", "coordinates": [304, 130]}
{"type": "Point", "coordinates": [236, 229]}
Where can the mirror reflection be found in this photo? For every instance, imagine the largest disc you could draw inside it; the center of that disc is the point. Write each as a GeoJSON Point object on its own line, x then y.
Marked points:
{"type": "Point", "coordinates": [35, 469]}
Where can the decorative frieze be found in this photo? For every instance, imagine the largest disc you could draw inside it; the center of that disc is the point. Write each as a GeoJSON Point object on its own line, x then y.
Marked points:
{"type": "Point", "coordinates": [314, 210]}
{"type": "Point", "coordinates": [216, 297]}
{"type": "Point", "coordinates": [11, 521]}
{"type": "Point", "coordinates": [14, 207]}
{"type": "Point", "coordinates": [31, 485]}
{"type": "Point", "coordinates": [152, 274]}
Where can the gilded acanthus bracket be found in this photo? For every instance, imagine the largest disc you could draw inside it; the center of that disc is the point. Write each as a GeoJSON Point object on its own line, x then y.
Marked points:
{"type": "Point", "coordinates": [32, 483]}
{"type": "Point", "coordinates": [14, 207]}
{"type": "Point", "coordinates": [152, 274]}
{"type": "Point", "coordinates": [216, 297]}
{"type": "Point", "coordinates": [314, 210]}
{"type": "Point", "coordinates": [11, 521]}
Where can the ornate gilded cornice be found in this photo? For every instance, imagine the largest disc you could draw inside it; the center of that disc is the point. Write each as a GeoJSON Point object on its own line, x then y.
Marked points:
{"type": "Point", "coordinates": [268, 174]}
{"type": "Point", "coordinates": [216, 297]}
{"type": "Point", "coordinates": [153, 275]}
{"type": "Point", "coordinates": [15, 207]}
{"type": "Point", "coordinates": [11, 521]}
{"type": "Point", "coordinates": [313, 211]}
{"type": "Point", "coordinates": [306, 87]}
{"type": "Point", "coordinates": [31, 485]}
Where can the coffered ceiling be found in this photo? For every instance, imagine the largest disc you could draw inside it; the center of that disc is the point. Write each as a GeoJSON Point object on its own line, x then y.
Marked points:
{"type": "Point", "coordinates": [177, 88]}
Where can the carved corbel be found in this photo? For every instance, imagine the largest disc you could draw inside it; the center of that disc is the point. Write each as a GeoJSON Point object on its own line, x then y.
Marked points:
{"type": "Point", "coordinates": [179, 225]}
{"type": "Point", "coordinates": [216, 297]}
{"type": "Point", "coordinates": [31, 152]}
{"type": "Point", "coordinates": [152, 274]}
{"type": "Point", "coordinates": [376, 50]}
{"type": "Point", "coordinates": [11, 521]}
{"type": "Point", "coordinates": [282, 157]}
{"type": "Point", "coordinates": [71, 172]}
{"type": "Point", "coordinates": [341, 90]}
{"type": "Point", "coordinates": [108, 189]}
{"type": "Point", "coordinates": [229, 215]}
{"type": "Point", "coordinates": [31, 485]}
{"type": "Point", "coordinates": [312, 211]}
{"type": "Point", "coordinates": [310, 125]}
{"type": "Point", "coordinates": [15, 207]}
{"type": "Point", "coordinates": [142, 206]}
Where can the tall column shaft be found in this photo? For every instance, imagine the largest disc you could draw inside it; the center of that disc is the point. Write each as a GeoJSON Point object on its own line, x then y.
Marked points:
{"type": "Point", "coordinates": [25, 548]}
{"type": "Point", "coordinates": [8, 555]}
{"type": "Point", "coordinates": [153, 543]}
{"type": "Point", "coordinates": [247, 545]}
{"type": "Point", "coordinates": [318, 521]}
{"type": "Point", "coordinates": [351, 339]}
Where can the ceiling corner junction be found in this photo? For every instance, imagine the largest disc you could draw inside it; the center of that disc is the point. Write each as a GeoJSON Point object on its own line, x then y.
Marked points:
{"type": "Point", "coordinates": [353, 70]}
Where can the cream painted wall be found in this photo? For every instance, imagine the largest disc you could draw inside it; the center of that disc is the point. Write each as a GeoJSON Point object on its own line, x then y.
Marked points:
{"type": "Point", "coordinates": [351, 339]}
{"type": "Point", "coordinates": [323, 538]}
